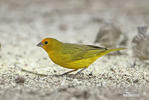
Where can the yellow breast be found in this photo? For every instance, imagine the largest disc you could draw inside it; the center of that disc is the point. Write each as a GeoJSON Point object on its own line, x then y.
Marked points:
{"type": "Point", "coordinates": [77, 64]}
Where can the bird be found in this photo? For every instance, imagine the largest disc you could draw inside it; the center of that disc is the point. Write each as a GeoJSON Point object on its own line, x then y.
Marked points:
{"type": "Point", "coordinates": [73, 56]}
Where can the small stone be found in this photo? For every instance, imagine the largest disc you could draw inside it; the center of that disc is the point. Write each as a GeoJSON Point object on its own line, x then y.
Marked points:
{"type": "Point", "coordinates": [140, 44]}
{"type": "Point", "coordinates": [111, 36]}
{"type": "Point", "coordinates": [136, 81]}
{"type": "Point", "coordinates": [20, 79]}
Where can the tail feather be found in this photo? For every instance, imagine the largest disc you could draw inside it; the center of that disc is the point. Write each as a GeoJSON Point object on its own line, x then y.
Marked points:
{"type": "Point", "coordinates": [109, 50]}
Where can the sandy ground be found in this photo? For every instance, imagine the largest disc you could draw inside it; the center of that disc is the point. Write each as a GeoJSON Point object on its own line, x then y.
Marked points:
{"type": "Point", "coordinates": [23, 23]}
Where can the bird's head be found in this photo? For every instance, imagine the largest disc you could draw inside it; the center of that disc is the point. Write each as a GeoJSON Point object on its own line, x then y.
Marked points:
{"type": "Point", "coordinates": [48, 44]}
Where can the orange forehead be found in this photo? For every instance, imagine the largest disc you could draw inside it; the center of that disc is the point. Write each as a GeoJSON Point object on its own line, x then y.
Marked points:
{"type": "Point", "coordinates": [46, 39]}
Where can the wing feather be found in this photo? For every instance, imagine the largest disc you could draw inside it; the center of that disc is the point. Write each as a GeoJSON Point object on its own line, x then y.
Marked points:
{"type": "Point", "coordinates": [78, 52]}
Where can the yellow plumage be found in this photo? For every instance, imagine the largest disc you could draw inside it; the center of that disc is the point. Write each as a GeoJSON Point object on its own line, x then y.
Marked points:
{"type": "Point", "coordinates": [73, 56]}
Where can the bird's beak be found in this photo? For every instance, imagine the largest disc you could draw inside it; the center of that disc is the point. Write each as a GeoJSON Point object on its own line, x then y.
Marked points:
{"type": "Point", "coordinates": [40, 44]}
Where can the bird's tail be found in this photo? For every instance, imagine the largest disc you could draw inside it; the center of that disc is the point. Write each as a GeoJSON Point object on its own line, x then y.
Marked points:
{"type": "Point", "coordinates": [109, 50]}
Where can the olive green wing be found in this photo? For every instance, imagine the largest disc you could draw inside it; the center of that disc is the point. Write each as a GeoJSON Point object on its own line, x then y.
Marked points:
{"type": "Point", "coordinates": [78, 52]}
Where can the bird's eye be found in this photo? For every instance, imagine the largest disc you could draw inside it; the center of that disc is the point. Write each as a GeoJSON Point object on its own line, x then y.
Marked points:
{"type": "Point", "coordinates": [46, 42]}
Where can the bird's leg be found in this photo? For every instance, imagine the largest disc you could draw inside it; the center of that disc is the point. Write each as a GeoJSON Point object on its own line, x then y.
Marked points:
{"type": "Point", "coordinates": [73, 71]}
{"type": "Point", "coordinates": [69, 72]}
{"type": "Point", "coordinates": [80, 71]}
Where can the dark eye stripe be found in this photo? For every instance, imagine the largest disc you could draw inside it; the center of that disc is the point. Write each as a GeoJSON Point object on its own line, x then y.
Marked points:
{"type": "Point", "coordinates": [46, 42]}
